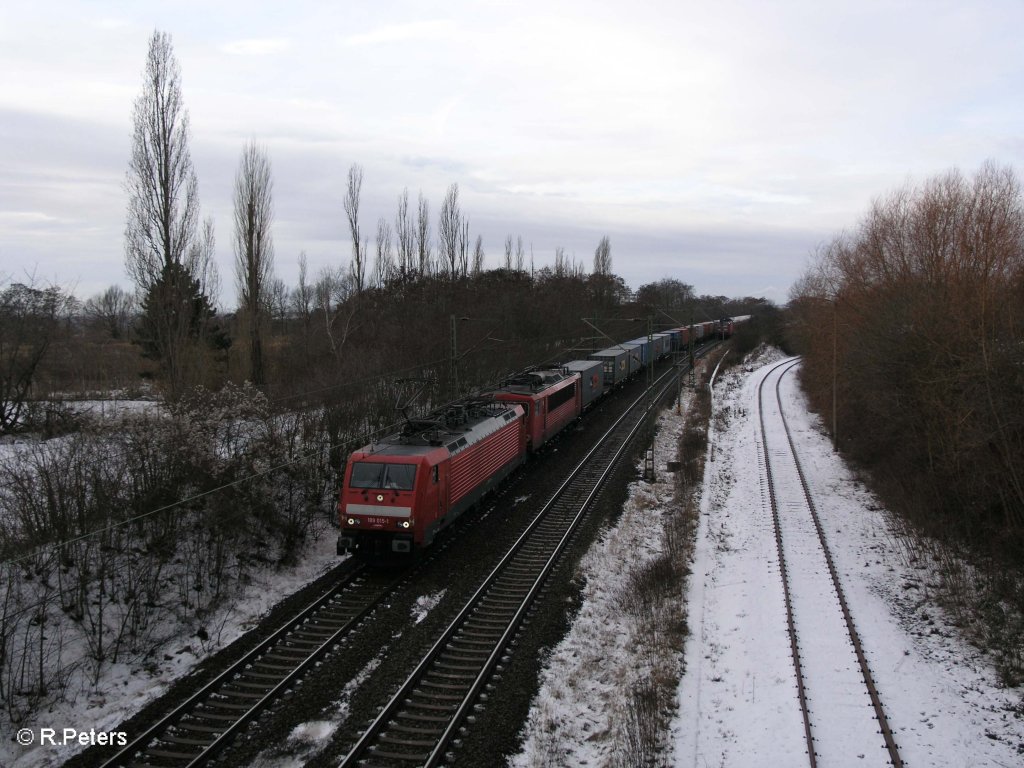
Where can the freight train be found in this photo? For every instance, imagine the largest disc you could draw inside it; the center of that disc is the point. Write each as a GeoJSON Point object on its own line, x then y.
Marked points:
{"type": "Point", "coordinates": [402, 490]}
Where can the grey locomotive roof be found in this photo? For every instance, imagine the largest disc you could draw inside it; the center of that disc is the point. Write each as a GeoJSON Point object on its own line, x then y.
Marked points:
{"type": "Point", "coordinates": [533, 381]}
{"type": "Point", "coordinates": [456, 428]}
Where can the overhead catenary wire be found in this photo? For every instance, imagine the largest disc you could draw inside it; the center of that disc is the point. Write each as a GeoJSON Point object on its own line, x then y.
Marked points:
{"type": "Point", "coordinates": [54, 546]}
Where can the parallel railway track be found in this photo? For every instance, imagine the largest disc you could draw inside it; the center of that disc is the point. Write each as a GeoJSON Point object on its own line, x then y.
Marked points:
{"type": "Point", "coordinates": [423, 719]}
{"type": "Point", "coordinates": [450, 680]}
{"type": "Point", "coordinates": [832, 674]}
{"type": "Point", "coordinates": [200, 727]}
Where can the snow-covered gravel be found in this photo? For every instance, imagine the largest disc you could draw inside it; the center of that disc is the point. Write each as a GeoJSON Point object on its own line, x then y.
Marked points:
{"type": "Point", "coordinates": [736, 701]}
{"type": "Point", "coordinates": [577, 717]}
{"type": "Point", "coordinates": [942, 697]}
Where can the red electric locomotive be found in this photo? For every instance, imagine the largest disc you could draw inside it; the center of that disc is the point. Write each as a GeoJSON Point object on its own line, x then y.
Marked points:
{"type": "Point", "coordinates": [401, 491]}
{"type": "Point", "coordinates": [552, 399]}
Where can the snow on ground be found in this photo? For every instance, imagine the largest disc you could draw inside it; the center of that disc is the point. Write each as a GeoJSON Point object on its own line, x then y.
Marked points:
{"type": "Point", "coordinates": [127, 688]}
{"type": "Point", "coordinates": [737, 703]}
{"type": "Point", "coordinates": [575, 717]}
{"type": "Point", "coordinates": [425, 604]}
{"type": "Point", "coordinates": [307, 739]}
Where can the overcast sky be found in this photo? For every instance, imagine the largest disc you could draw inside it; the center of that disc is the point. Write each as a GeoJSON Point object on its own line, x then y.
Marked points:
{"type": "Point", "coordinates": [718, 144]}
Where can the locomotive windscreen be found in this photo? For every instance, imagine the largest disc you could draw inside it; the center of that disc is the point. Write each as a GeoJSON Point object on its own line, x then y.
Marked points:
{"type": "Point", "coordinates": [369, 474]}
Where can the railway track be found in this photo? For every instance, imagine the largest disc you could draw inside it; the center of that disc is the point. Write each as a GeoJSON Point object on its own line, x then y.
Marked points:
{"type": "Point", "coordinates": [844, 721]}
{"type": "Point", "coordinates": [200, 727]}
{"type": "Point", "coordinates": [422, 720]}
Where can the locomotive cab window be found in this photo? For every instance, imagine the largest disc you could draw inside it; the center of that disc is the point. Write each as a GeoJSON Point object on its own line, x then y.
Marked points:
{"type": "Point", "coordinates": [400, 477]}
{"type": "Point", "coordinates": [368, 474]}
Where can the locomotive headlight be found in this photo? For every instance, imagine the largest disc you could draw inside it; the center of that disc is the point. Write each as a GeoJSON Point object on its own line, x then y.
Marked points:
{"type": "Point", "coordinates": [353, 521]}
{"type": "Point", "coordinates": [404, 523]}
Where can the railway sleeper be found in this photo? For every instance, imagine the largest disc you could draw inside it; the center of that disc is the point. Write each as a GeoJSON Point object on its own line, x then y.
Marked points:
{"type": "Point", "coordinates": [497, 625]}
{"type": "Point", "coordinates": [484, 619]}
{"type": "Point", "coordinates": [447, 687]}
{"type": "Point", "coordinates": [298, 656]}
{"type": "Point", "coordinates": [185, 741]}
{"type": "Point", "coordinates": [341, 615]}
{"type": "Point", "coordinates": [448, 708]}
{"type": "Point", "coordinates": [216, 730]}
{"type": "Point", "coordinates": [274, 676]}
{"type": "Point", "coordinates": [415, 717]}
{"type": "Point", "coordinates": [236, 694]}
{"type": "Point", "coordinates": [521, 570]}
{"type": "Point", "coordinates": [417, 729]}
{"type": "Point", "coordinates": [434, 694]}
{"type": "Point", "coordinates": [317, 628]}
{"type": "Point", "coordinates": [216, 717]}
{"type": "Point", "coordinates": [469, 675]}
{"type": "Point", "coordinates": [500, 603]}
{"type": "Point", "coordinates": [255, 685]}
{"type": "Point", "coordinates": [301, 638]}
{"type": "Point", "coordinates": [459, 664]}
{"type": "Point", "coordinates": [468, 640]}
{"type": "Point", "coordinates": [261, 664]}
{"type": "Point", "coordinates": [492, 633]}
{"type": "Point", "coordinates": [388, 739]}
{"type": "Point", "coordinates": [471, 648]}
{"type": "Point", "coordinates": [168, 755]}
{"type": "Point", "coordinates": [509, 591]}
{"type": "Point", "coordinates": [233, 706]}
{"type": "Point", "coordinates": [520, 583]}
{"type": "Point", "coordinates": [419, 757]}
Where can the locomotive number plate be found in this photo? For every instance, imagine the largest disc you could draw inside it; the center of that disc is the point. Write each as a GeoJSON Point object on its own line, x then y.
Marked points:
{"type": "Point", "coordinates": [378, 522]}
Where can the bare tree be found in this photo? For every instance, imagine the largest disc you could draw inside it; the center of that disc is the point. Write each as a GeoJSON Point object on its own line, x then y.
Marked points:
{"type": "Point", "coordinates": [302, 296]}
{"type": "Point", "coordinates": [423, 235]}
{"type": "Point", "coordinates": [385, 264]}
{"type": "Point", "coordinates": [333, 294]}
{"type": "Point", "coordinates": [603, 257]}
{"type": "Point", "coordinates": [449, 226]}
{"type": "Point", "coordinates": [508, 252]}
{"type": "Point", "coordinates": [520, 263]}
{"type": "Point", "coordinates": [201, 261]}
{"type": "Point", "coordinates": [29, 321]}
{"type": "Point", "coordinates": [478, 255]}
{"type": "Point", "coordinates": [254, 247]}
{"type": "Point", "coordinates": [302, 300]}
{"type": "Point", "coordinates": [355, 185]}
{"type": "Point", "coordinates": [405, 236]}
{"type": "Point", "coordinates": [163, 210]}
{"type": "Point", "coordinates": [561, 262]}
{"type": "Point", "coordinates": [277, 301]}
{"type": "Point", "coordinates": [464, 246]}
{"type": "Point", "coordinates": [112, 311]}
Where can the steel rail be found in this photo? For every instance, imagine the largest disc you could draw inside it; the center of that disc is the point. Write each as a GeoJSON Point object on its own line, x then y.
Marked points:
{"type": "Point", "coordinates": [869, 682]}
{"type": "Point", "coordinates": [794, 646]}
{"type": "Point", "coordinates": [456, 714]}
{"type": "Point", "coordinates": [852, 633]}
{"type": "Point", "coordinates": [142, 743]}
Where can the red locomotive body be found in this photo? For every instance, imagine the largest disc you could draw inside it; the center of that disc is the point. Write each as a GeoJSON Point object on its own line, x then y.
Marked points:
{"type": "Point", "coordinates": [401, 491]}
{"type": "Point", "coordinates": [552, 400]}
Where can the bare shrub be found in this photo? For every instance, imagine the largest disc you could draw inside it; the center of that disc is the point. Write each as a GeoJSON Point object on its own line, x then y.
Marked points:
{"type": "Point", "coordinates": [913, 322]}
{"type": "Point", "coordinates": [641, 737]}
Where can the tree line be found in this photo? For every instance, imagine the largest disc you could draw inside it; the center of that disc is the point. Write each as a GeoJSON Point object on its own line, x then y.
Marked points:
{"type": "Point", "coordinates": [134, 529]}
{"type": "Point", "coordinates": [912, 330]}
